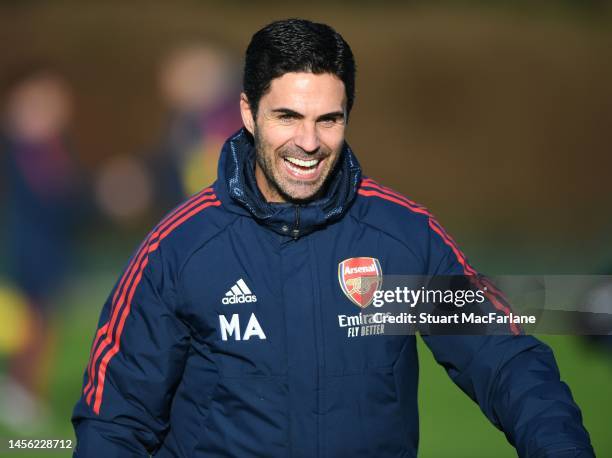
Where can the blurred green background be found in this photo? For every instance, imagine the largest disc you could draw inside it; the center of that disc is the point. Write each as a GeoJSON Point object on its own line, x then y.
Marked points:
{"type": "Point", "coordinates": [496, 115]}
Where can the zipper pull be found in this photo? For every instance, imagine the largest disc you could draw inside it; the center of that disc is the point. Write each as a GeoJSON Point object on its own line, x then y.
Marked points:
{"type": "Point", "coordinates": [296, 229]}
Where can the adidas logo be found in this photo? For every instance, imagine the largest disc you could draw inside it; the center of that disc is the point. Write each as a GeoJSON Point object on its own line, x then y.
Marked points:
{"type": "Point", "coordinates": [239, 294]}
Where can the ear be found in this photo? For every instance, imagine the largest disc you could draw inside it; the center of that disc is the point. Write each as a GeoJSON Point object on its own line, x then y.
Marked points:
{"type": "Point", "coordinates": [247, 115]}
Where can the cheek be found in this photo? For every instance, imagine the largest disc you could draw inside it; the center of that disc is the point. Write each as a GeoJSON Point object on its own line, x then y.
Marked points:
{"type": "Point", "coordinates": [332, 137]}
{"type": "Point", "coordinates": [275, 136]}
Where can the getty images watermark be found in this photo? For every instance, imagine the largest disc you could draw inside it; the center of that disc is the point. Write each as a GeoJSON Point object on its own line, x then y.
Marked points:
{"type": "Point", "coordinates": [479, 305]}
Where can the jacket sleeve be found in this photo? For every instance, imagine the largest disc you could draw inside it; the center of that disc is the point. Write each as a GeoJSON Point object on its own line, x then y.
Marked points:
{"type": "Point", "coordinates": [136, 363]}
{"type": "Point", "coordinates": [513, 378]}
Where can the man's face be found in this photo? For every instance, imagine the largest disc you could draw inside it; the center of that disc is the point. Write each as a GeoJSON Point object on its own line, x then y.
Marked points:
{"type": "Point", "coordinates": [299, 133]}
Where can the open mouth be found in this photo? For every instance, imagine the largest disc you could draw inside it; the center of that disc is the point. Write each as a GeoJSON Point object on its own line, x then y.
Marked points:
{"type": "Point", "coordinates": [303, 169]}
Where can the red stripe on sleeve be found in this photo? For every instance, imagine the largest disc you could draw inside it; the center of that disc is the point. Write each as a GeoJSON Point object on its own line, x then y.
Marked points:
{"type": "Point", "coordinates": [167, 229]}
{"type": "Point", "coordinates": [101, 331]}
{"type": "Point", "coordinates": [119, 296]}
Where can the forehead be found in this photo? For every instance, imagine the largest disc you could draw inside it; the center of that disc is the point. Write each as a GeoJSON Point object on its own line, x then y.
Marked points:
{"type": "Point", "coordinates": [305, 91]}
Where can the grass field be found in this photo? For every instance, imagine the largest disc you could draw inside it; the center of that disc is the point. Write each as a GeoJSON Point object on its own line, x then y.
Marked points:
{"type": "Point", "coordinates": [451, 424]}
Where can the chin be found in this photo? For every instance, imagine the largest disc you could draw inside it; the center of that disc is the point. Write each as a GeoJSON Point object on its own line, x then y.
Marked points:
{"type": "Point", "coordinates": [301, 195]}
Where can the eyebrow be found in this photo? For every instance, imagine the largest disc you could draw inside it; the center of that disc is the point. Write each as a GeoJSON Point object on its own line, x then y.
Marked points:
{"type": "Point", "coordinates": [295, 114]}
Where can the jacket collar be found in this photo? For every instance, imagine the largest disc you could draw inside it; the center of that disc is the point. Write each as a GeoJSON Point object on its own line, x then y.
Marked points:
{"type": "Point", "coordinates": [237, 188]}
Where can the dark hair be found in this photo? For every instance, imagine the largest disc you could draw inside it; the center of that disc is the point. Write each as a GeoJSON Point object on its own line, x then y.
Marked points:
{"type": "Point", "coordinates": [296, 45]}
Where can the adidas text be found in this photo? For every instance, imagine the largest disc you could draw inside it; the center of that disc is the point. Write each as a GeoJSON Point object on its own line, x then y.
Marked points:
{"type": "Point", "coordinates": [239, 299]}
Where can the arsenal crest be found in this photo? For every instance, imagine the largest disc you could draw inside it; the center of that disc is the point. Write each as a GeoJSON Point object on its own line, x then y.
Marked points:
{"type": "Point", "coordinates": [359, 279]}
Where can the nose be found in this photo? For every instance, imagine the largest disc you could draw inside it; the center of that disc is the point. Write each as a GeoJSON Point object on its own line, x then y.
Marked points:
{"type": "Point", "coordinates": [307, 138]}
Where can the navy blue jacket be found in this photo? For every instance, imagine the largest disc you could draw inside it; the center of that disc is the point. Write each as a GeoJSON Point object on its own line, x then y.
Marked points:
{"type": "Point", "coordinates": [222, 336]}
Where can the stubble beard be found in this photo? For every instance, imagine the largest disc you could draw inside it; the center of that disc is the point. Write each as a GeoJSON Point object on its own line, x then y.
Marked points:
{"type": "Point", "coordinates": [266, 164]}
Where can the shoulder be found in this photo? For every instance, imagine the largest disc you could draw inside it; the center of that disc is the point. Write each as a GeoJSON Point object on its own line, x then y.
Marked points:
{"type": "Point", "coordinates": [187, 227]}
{"type": "Point", "coordinates": [386, 209]}
{"type": "Point", "coordinates": [408, 221]}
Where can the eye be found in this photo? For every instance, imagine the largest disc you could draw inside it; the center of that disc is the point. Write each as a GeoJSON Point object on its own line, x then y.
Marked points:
{"type": "Point", "coordinates": [286, 118]}
{"type": "Point", "coordinates": [330, 122]}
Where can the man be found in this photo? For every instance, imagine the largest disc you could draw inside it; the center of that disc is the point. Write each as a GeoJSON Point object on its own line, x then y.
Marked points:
{"type": "Point", "coordinates": [222, 337]}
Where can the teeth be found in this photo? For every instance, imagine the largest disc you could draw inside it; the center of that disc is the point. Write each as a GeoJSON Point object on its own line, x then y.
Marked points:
{"type": "Point", "coordinates": [301, 163]}
{"type": "Point", "coordinates": [298, 170]}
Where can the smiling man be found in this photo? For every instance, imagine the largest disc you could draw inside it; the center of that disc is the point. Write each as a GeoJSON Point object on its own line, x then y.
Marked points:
{"type": "Point", "coordinates": [239, 328]}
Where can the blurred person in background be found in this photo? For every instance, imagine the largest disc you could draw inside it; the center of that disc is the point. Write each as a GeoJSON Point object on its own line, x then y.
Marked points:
{"type": "Point", "coordinates": [199, 86]}
{"type": "Point", "coordinates": [42, 186]}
